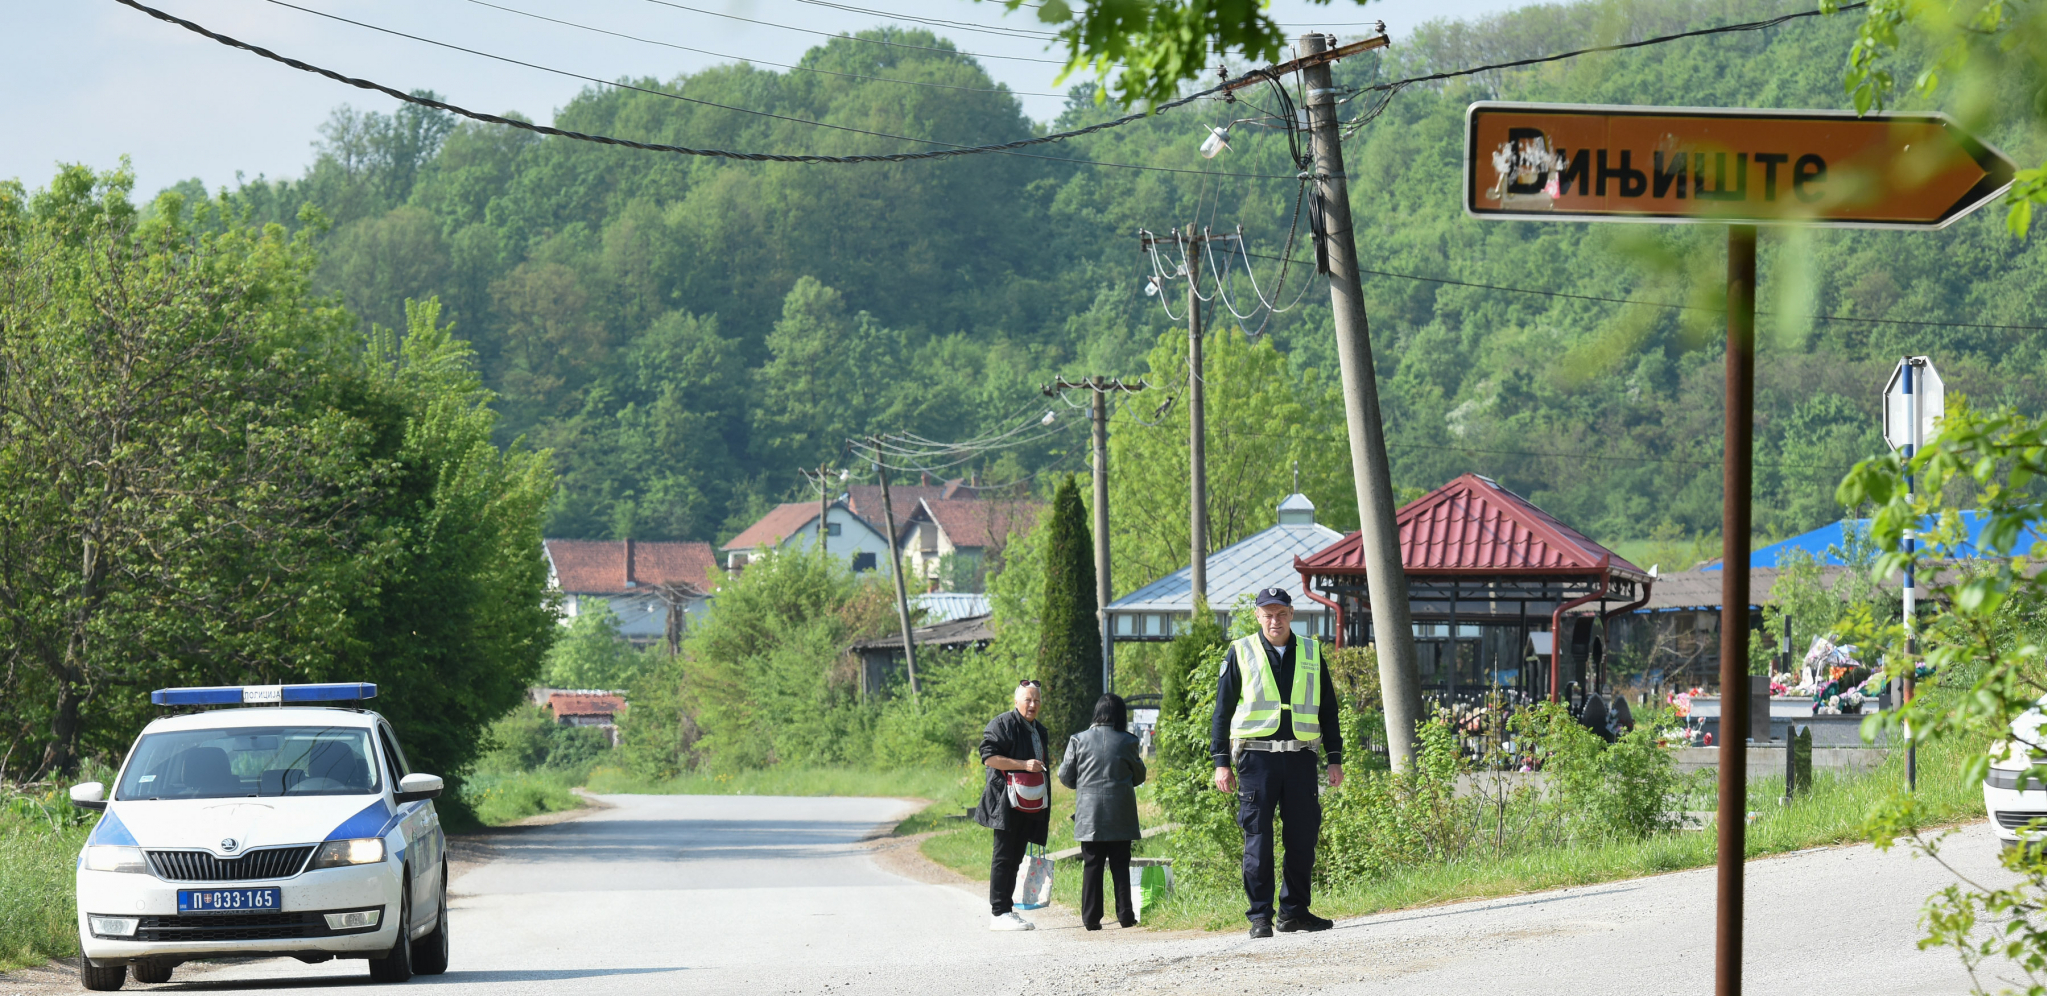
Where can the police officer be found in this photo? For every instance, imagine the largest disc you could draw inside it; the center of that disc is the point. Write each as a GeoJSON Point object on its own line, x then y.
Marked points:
{"type": "Point", "coordinates": [1275, 699]}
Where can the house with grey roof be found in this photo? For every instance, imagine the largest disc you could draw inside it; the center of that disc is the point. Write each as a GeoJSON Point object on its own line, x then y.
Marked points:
{"type": "Point", "coordinates": [1162, 609]}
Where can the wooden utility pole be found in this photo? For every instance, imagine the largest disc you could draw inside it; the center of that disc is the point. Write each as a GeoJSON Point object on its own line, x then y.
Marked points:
{"type": "Point", "coordinates": [1386, 577]}
{"type": "Point", "coordinates": [895, 568]}
{"type": "Point", "coordinates": [1099, 412]}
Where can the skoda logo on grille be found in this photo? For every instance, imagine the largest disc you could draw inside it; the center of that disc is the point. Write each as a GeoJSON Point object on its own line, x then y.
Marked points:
{"type": "Point", "coordinates": [228, 844]}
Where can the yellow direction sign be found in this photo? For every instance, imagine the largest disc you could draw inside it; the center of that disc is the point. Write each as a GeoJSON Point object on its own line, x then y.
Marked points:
{"type": "Point", "coordinates": [1581, 162]}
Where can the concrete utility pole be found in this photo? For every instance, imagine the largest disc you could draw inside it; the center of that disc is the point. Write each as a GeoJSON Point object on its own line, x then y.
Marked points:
{"type": "Point", "coordinates": [1392, 622]}
{"type": "Point", "coordinates": [1099, 411]}
{"type": "Point", "coordinates": [895, 568]}
{"type": "Point", "coordinates": [1197, 432]}
{"type": "Point", "coordinates": [824, 506]}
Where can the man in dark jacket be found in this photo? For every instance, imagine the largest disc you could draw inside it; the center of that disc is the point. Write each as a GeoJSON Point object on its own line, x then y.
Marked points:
{"type": "Point", "coordinates": [1275, 699]}
{"type": "Point", "coordinates": [1013, 741]}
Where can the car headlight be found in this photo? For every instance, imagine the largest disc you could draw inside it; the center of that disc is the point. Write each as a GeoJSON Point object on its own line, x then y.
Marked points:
{"type": "Point", "coordinates": [342, 853]}
{"type": "Point", "coordinates": [115, 858]}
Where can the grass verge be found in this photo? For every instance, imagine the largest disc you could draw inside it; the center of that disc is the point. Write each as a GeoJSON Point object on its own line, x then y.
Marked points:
{"type": "Point", "coordinates": [498, 798]}
{"type": "Point", "coordinates": [1831, 814]}
{"type": "Point", "coordinates": [920, 783]}
{"type": "Point", "coordinates": [39, 842]}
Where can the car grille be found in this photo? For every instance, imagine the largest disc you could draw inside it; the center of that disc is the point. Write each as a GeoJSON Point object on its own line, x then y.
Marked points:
{"type": "Point", "coordinates": [231, 927]}
{"type": "Point", "coordinates": [2013, 820]}
{"type": "Point", "coordinates": [199, 866]}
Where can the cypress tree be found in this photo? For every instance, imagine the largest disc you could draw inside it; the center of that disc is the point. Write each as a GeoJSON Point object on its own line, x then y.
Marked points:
{"type": "Point", "coordinates": [1070, 642]}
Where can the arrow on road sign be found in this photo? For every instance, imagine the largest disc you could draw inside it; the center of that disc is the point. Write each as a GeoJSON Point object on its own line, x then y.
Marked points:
{"type": "Point", "coordinates": [1576, 162]}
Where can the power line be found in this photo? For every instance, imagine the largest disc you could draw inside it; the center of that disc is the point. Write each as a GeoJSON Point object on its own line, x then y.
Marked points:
{"type": "Point", "coordinates": [950, 150]}
{"type": "Point", "coordinates": [763, 62]}
{"type": "Point", "coordinates": [857, 38]}
{"type": "Point", "coordinates": [1351, 127]}
{"type": "Point", "coordinates": [1687, 307]}
{"type": "Point", "coordinates": [1607, 457]}
{"type": "Point", "coordinates": [1026, 33]}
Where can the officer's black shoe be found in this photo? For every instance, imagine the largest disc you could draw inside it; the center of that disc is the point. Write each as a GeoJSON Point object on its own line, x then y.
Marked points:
{"type": "Point", "coordinates": [1261, 928]}
{"type": "Point", "coordinates": [1303, 921]}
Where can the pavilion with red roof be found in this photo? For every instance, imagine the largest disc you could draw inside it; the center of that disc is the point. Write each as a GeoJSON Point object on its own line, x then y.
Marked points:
{"type": "Point", "coordinates": [1486, 571]}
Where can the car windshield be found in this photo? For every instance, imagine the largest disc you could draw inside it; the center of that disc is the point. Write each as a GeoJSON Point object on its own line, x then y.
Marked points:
{"type": "Point", "coordinates": [251, 761]}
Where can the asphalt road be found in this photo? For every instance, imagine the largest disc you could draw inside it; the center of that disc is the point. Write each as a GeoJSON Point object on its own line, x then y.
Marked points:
{"type": "Point", "coordinates": [728, 894]}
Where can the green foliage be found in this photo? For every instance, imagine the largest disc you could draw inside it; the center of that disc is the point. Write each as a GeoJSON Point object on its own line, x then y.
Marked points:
{"type": "Point", "coordinates": [40, 837]}
{"type": "Point", "coordinates": [592, 653]}
{"type": "Point", "coordinates": [211, 479]}
{"type": "Point", "coordinates": [1983, 632]}
{"type": "Point", "coordinates": [1987, 57]}
{"type": "Point", "coordinates": [528, 739]}
{"type": "Point", "coordinates": [686, 334]}
{"type": "Point", "coordinates": [764, 677]}
{"type": "Point", "coordinates": [1191, 661]}
{"type": "Point", "coordinates": [1264, 421]}
{"type": "Point", "coordinates": [1069, 640]}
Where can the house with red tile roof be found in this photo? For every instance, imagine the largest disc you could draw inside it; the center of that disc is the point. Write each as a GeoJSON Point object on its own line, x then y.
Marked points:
{"type": "Point", "coordinates": [850, 536]}
{"type": "Point", "coordinates": [973, 531]}
{"type": "Point", "coordinates": [653, 587]}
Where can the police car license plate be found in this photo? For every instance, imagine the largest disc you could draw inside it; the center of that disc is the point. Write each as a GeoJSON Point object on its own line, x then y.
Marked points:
{"type": "Point", "coordinates": [228, 900]}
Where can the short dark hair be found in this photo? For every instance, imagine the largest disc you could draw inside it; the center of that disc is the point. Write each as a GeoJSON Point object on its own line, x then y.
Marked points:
{"type": "Point", "coordinates": [1110, 711]}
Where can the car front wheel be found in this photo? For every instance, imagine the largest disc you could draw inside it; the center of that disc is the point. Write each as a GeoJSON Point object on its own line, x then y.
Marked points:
{"type": "Point", "coordinates": [396, 964]}
{"type": "Point", "coordinates": [101, 980]}
{"type": "Point", "coordinates": [430, 953]}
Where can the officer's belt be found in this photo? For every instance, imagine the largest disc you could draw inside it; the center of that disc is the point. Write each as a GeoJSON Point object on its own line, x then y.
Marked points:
{"type": "Point", "coordinates": [1278, 746]}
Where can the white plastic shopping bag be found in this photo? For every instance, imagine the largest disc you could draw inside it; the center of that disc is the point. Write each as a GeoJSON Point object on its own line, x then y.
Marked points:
{"type": "Point", "coordinates": [1034, 880]}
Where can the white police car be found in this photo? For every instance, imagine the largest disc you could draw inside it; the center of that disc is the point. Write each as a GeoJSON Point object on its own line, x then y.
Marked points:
{"type": "Point", "coordinates": [292, 828]}
{"type": "Point", "coordinates": [2014, 806]}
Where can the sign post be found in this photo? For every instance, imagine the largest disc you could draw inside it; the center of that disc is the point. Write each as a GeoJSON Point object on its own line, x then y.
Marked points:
{"type": "Point", "coordinates": [1741, 168]}
{"type": "Point", "coordinates": [1914, 400]}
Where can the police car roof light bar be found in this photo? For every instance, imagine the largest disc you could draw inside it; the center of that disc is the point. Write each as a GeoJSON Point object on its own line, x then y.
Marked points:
{"type": "Point", "coordinates": [346, 691]}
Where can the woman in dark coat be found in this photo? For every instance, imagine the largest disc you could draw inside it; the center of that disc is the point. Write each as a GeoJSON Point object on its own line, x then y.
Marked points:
{"type": "Point", "coordinates": [1013, 741]}
{"type": "Point", "coordinates": [1104, 766]}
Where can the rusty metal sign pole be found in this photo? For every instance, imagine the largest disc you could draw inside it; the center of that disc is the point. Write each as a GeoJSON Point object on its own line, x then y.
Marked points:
{"type": "Point", "coordinates": [1735, 521]}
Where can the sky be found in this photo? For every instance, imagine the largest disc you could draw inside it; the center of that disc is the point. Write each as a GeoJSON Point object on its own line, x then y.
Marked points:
{"type": "Point", "coordinates": [89, 81]}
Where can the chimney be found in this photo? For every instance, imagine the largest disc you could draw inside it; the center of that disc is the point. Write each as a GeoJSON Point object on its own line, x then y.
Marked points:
{"type": "Point", "coordinates": [629, 582]}
{"type": "Point", "coordinates": [924, 478]}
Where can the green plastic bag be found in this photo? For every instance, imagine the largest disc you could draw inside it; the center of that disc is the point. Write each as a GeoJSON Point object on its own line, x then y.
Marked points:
{"type": "Point", "coordinates": [1154, 883]}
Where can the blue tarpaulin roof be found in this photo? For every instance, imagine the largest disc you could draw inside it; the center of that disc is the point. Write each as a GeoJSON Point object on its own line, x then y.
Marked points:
{"type": "Point", "coordinates": [1826, 543]}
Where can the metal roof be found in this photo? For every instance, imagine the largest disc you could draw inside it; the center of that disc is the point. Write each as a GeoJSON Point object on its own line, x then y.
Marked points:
{"type": "Point", "coordinates": [969, 631]}
{"type": "Point", "coordinates": [1261, 560]}
{"type": "Point", "coordinates": [1473, 526]}
{"type": "Point", "coordinates": [946, 606]}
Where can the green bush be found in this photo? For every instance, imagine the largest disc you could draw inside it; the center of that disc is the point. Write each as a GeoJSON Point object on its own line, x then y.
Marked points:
{"type": "Point", "coordinates": [1380, 822]}
{"type": "Point", "coordinates": [528, 739]}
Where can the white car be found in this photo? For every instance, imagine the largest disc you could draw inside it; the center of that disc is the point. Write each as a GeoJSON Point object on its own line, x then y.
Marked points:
{"type": "Point", "coordinates": [293, 828]}
{"type": "Point", "coordinates": [2011, 805]}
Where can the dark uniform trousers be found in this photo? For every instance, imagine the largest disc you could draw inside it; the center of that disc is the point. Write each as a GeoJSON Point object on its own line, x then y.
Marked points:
{"type": "Point", "coordinates": [1285, 783]}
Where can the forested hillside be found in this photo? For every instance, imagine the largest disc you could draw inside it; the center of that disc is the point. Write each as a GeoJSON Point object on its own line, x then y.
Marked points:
{"type": "Point", "coordinates": [686, 333]}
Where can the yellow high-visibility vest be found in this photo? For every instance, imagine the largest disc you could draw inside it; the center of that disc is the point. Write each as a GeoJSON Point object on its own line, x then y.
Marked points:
{"type": "Point", "coordinates": [1258, 705]}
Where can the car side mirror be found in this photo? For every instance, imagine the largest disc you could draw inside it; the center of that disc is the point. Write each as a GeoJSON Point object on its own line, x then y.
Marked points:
{"type": "Point", "coordinates": [413, 788]}
{"type": "Point", "coordinates": [89, 795]}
